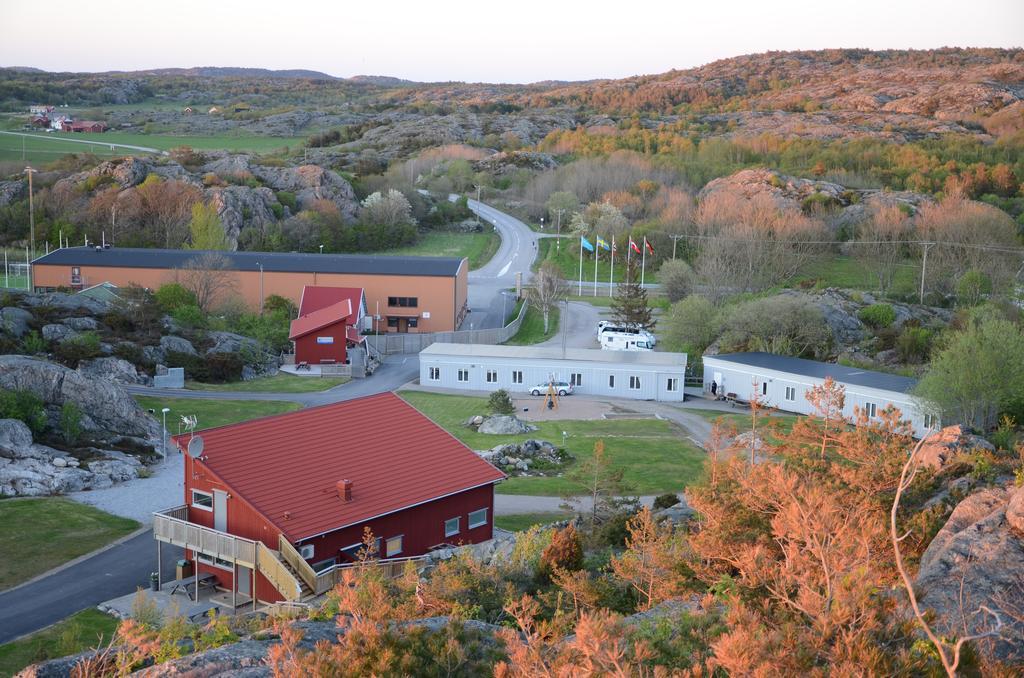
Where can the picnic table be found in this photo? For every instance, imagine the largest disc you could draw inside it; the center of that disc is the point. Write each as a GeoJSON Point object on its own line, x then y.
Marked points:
{"type": "Point", "coordinates": [202, 580]}
{"type": "Point", "coordinates": [735, 400]}
{"type": "Point", "coordinates": [199, 611]}
{"type": "Point", "coordinates": [302, 366]}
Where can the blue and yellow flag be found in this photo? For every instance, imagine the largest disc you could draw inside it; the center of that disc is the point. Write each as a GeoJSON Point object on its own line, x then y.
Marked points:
{"type": "Point", "coordinates": [587, 244]}
{"type": "Point", "coordinates": [602, 243]}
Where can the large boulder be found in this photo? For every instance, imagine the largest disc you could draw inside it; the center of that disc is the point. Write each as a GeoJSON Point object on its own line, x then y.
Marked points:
{"type": "Point", "coordinates": [229, 342]}
{"type": "Point", "coordinates": [505, 424]}
{"type": "Point", "coordinates": [115, 369]}
{"type": "Point", "coordinates": [940, 447]}
{"type": "Point", "coordinates": [12, 190]}
{"type": "Point", "coordinates": [107, 410]}
{"type": "Point", "coordinates": [170, 343]}
{"type": "Point", "coordinates": [14, 321]}
{"type": "Point", "coordinates": [976, 559]}
{"type": "Point", "coordinates": [55, 332]}
{"type": "Point", "coordinates": [67, 303]}
{"type": "Point", "coordinates": [81, 323]}
{"type": "Point", "coordinates": [242, 206]}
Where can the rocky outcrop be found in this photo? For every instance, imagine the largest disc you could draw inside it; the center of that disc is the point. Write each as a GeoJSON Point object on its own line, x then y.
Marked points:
{"type": "Point", "coordinates": [787, 192]}
{"type": "Point", "coordinates": [944, 445]}
{"type": "Point", "coordinates": [506, 163]}
{"type": "Point", "coordinates": [55, 332]}
{"type": "Point", "coordinates": [66, 303]}
{"type": "Point", "coordinates": [113, 369]}
{"type": "Point", "coordinates": [505, 424]}
{"type": "Point", "coordinates": [82, 323]}
{"type": "Point", "coordinates": [106, 409]}
{"type": "Point", "coordinates": [176, 345]}
{"type": "Point", "coordinates": [241, 206]}
{"type": "Point", "coordinates": [14, 321]}
{"type": "Point", "coordinates": [11, 191]}
{"type": "Point", "coordinates": [28, 469]}
{"type": "Point", "coordinates": [976, 559]}
{"type": "Point", "coordinates": [520, 458]}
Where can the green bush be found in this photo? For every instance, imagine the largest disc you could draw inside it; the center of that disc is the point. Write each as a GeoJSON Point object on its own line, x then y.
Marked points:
{"type": "Point", "coordinates": [500, 403]}
{"type": "Point", "coordinates": [877, 316]}
{"type": "Point", "coordinates": [972, 288]}
{"type": "Point", "coordinates": [914, 344]}
{"type": "Point", "coordinates": [663, 501]}
{"type": "Point", "coordinates": [130, 352]}
{"type": "Point", "coordinates": [72, 351]}
{"type": "Point", "coordinates": [287, 198]}
{"type": "Point", "coordinates": [70, 422]}
{"type": "Point", "coordinates": [190, 317]}
{"type": "Point", "coordinates": [33, 344]}
{"type": "Point", "coordinates": [173, 296]}
{"type": "Point", "coordinates": [24, 406]}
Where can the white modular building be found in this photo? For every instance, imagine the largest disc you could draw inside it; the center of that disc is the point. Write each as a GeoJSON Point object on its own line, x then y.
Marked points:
{"type": "Point", "coordinates": [640, 375]}
{"type": "Point", "coordinates": [782, 382]}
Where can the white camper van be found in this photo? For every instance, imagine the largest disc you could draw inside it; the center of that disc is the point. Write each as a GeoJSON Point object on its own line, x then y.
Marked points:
{"type": "Point", "coordinates": [604, 326]}
{"type": "Point", "coordinates": [624, 341]}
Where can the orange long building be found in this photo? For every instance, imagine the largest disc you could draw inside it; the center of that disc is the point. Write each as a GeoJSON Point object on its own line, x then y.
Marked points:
{"type": "Point", "coordinates": [409, 294]}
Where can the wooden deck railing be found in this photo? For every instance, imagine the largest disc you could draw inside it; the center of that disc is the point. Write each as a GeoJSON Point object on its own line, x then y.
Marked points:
{"type": "Point", "coordinates": [172, 527]}
{"type": "Point", "coordinates": [298, 563]}
{"type": "Point", "coordinates": [275, 571]}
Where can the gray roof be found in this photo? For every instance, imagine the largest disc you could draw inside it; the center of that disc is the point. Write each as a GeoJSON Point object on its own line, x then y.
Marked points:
{"type": "Point", "coordinates": [812, 368]}
{"type": "Point", "coordinates": [544, 353]}
{"type": "Point", "coordinates": [291, 262]}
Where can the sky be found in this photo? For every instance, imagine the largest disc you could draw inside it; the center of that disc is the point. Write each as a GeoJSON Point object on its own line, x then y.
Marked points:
{"type": "Point", "coordinates": [514, 41]}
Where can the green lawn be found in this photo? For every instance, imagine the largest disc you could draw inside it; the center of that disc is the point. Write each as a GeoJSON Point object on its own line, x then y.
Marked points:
{"type": "Point", "coordinates": [844, 271]}
{"type": "Point", "coordinates": [44, 147]}
{"type": "Point", "coordinates": [742, 420]}
{"type": "Point", "coordinates": [532, 329]}
{"type": "Point", "coordinates": [518, 522]}
{"type": "Point", "coordinates": [214, 412]}
{"type": "Point", "coordinates": [279, 383]}
{"type": "Point", "coordinates": [37, 535]}
{"type": "Point", "coordinates": [477, 247]}
{"type": "Point", "coordinates": [567, 258]}
{"type": "Point", "coordinates": [16, 282]}
{"type": "Point", "coordinates": [77, 633]}
{"type": "Point", "coordinates": [652, 453]}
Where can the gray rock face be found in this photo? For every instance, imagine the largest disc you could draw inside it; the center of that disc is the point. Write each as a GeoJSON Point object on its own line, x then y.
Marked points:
{"type": "Point", "coordinates": [518, 458]}
{"type": "Point", "coordinates": [170, 343]}
{"type": "Point", "coordinates": [28, 469]}
{"type": "Point", "coordinates": [976, 559]}
{"type": "Point", "coordinates": [115, 369]}
{"type": "Point", "coordinates": [943, 445]}
{"type": "Point", "coordinates": [505, 424]}
{"type": "Point", "coordinates": [229, 342]}
{"type": "Point", "coordinates": [56, 332]}
{"type": "Point", "coordinates": [14, 321]}
{"type": "Point", "coordinates": [106, 408]}
{"type": "Point", "coordinates": [241, 206]}
{"type": "Point", "coordinates": [11, 191]}
{"type": "Point", "coordinates": [81, 323]}
{"type": "Point", "coordinates": [67, 302]}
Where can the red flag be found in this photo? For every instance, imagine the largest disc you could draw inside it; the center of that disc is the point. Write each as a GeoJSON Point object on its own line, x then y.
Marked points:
{"type": "Point", "coordinates": [647, 244]}
{"type": "Point", "coordinates": [633, 245]}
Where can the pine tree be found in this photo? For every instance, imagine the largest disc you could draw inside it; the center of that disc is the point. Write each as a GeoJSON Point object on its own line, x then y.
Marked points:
{"type": "Point", "coordinates": [629, 305]}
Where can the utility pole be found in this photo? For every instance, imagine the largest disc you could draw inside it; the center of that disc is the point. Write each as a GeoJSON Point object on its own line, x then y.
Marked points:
{"type": "Point", "coordinates": [31, 213]}
{"type": "Point", "coordinates": [558, 228]}
{"type": "Point", "coordinates": [478, 187]}
{"type": "Point", "coordinates": [674, 239]}
{"type": "Point", "coordinates": [113, 221]}
{"type": "Point", "coordinates": [261, 286]}
{"type": "Point", "coordinates": [924, 268]}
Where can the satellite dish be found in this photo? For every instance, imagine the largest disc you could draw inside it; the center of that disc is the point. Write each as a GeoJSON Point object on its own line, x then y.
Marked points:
{"type": "Point", "coordinates": [195, 447]}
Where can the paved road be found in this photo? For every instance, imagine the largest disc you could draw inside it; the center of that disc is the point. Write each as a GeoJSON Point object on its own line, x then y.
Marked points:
{"type": "Point", "coordinates": [55, 137]}
{"type": "Point", "coordinates": [515, 255]}
{"type": "Point", "coordinates": [578, 327]}
{"type": "Point", "coordinates": [111, 573]}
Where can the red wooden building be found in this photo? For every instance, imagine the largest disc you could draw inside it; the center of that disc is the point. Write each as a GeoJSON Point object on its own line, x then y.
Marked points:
{"type": "Point", "coordinates": [276, 507]}
{"type": "Point", "coordinates": [328, 324]}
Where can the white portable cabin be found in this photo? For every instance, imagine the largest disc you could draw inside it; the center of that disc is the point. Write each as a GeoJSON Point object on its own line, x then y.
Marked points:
{"type": "Point", "coordinates": [623, 341]}
{"type": "Point", "coordinates": [782, 382]}
{"type": "Point", "coordinates": [640, 375]}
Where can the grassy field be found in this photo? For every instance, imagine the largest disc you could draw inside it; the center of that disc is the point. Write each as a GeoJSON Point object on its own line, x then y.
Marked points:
{"type": "Point", "coordinates": [44, 147]}
{"type": "Point", "coordinates": [843, 271]}
{"type": "Point", "coordinates": [214, 412]}
{"type": "Point", "coordinates": [741, 420]}
{"type": "Point", "coordinates": [532, 329]}
{"type": "Point", "coordinates": [523, 521]}
{"type": "Point", "coordinates": [279, 383]}
{"type": "Point", "coordinates": [477, 247]}
{"type": "Point", "coordinates": [77, 633]}
{"type": "Point", "coordinates": [652, 454]}
{"type": "Point", "coordinates": [567, 258]}
{"type": "Point", "coordinates": [16, 282]}
{"type": "Point", "coordinates": [53, 530]}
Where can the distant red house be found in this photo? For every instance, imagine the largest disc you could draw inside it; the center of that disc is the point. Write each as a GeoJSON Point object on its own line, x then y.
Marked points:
{"type": "Point", "coordinates": [322, 336]}
{"type": "Point", "coordinates": [276, 507]}
{"type": "Point", "coordinates": [84, 126]}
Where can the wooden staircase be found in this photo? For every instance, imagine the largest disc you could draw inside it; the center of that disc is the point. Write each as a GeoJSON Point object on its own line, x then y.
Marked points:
{"type": "Point", "coordinates": [305, 593]}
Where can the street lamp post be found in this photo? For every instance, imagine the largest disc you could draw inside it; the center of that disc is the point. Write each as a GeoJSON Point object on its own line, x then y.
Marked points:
{"type": "Point", "coordinates": [163, 441]}
{"type": "Point", "coordinates": [321, 249]}
{"type": "Point", "coordinates": [31, 213]}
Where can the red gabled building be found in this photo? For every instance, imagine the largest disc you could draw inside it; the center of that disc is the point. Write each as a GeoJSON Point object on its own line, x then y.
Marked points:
{"type": "Point", "coordinates": [276, 507]}
{"type": "Point", "coordinates": [329, 322]}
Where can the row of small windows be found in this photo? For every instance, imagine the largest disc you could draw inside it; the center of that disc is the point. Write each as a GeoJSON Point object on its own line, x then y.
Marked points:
{"type": "Point", "coordinates": [576, 378]}
{"type": "Point", "coordinates": [477, 518]}
{"type": "Point", "coordinates": [404, 302]}
{"type": "Point", "coordinates": [410, 322]}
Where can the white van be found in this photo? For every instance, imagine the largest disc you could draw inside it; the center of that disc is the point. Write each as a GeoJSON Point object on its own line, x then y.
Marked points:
{"type": "Point", "coordinates": [624, 341]}
{"type": "Point", "coordinates": [604, 326]}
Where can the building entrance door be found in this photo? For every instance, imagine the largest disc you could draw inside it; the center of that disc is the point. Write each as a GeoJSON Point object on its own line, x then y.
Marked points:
{"type": "Point", "coordinates": [244, 581]}
{"type": "Point", "coordinates": [220, 510]}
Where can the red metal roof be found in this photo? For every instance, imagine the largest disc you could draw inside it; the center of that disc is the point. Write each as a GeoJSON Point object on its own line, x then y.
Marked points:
{"type": "Point", "coordinates": [291, 463]}
{"type": "Point", "coordinates": [319, 319]}
{"type": "Point", "coordinates": [315, 297]}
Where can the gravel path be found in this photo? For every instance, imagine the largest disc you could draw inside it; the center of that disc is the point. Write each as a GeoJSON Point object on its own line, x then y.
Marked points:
{"type": "Point", "coordinates": [139, 498]}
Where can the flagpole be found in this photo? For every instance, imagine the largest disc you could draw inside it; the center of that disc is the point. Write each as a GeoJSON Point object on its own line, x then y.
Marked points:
{"type": "Point", "coordinates": [597, 254]}
{"type": "Point", "coordinates": [611, 274]}
{"type": "Point", "coordinates": [643, 262]}
{"type": "Point", "coordinates": [581, 266]}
